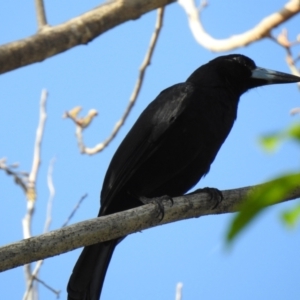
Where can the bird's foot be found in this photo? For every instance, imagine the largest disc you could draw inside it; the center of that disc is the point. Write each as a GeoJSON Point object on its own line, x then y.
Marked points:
{"type": "Point", "coordinates": [214, 194]}
{"type": "Point", "coordinates": [159, 202]}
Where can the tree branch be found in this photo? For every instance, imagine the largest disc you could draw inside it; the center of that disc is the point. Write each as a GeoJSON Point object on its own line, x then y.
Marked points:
{"type": "Point", "coordinates": [34, 274]}
{"type": "Point", "coordinates": [31, 188]}
{"type": "Point", "coordinates": [146, 62]}
{"type": "Point", "coordinates": [77, 31]}
{"type": "Point", "coordinates": [116, 225]}
{"type": "Point", "coordinates": [31, 194]}
{"type": "Point", "coordinates": [74, 210]}
{"type": "Point", "coordinates": [20, 177]}
{"type": "Point", "coordinates": [261, 30]}
{"type": "Point", "coordinates": [40, 14]}
{"type": "Point", "coordinates": [283, 41]}
{"type": "Point", "coordinates": [178, 294]}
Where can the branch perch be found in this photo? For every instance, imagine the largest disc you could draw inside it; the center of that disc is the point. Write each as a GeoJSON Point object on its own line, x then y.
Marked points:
{"type": "Point", "coordinates": [116, 225]}
{"type": "Point", "coordinates": [77, 31]}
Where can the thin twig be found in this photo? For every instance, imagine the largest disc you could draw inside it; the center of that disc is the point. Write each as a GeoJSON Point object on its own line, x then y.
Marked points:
{"type": "Point", "coordinates": [51, 195]}
{"type": "Point", "coordinates": [146, 62]}
{"type": "Point", "coordinates": [80, 142]}
{"type": "Point", "coordinates": [39, 135]}
{"type": "Point", "coordinates": [74, 210]}
{"type": "Point", "coordinates": [295, 111]}
{"type": "Point", "coordinates": [46, 227]}
{"type": "Point", "coordinates": [30, 192]}
{"type": "Point", "coordinates": [48, 287]}
{"type": "Point", "coordinates": [292, 65]}
{"type": "Point", "coordinates": [20, 178]}
{"type": "Point", "coordinates": [178, 295]}
{"type": "Point", "coordinates": [48, 220]}
{"type": "Point", "coordinates": [40, 14]}
{"type": "Point", "coordinates": [202, 5]}
{"type": "Point", "coordinates": [283, 41]}
{"type": "Point", "coordinates": [47, 224]}
{"type": "Point", "coordinates": [29, 283]}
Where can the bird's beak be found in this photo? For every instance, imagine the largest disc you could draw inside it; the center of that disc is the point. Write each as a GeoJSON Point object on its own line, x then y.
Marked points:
{"type": "Point", "coordinates": [266, 76]}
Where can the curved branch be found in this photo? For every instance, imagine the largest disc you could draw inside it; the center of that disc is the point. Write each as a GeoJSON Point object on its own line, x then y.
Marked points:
{"type": "Point", "coordinates": [77, 31]}
{"type": "Point", "coordinates": [116, 225]}
{"type": "Point", "coordinates": [146, 62]}
{"type": "Point", "coordinates": [260, 31]}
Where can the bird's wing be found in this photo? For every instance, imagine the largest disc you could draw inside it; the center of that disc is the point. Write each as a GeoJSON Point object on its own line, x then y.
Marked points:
{"type": "Point", "coordinates": [144, 138]}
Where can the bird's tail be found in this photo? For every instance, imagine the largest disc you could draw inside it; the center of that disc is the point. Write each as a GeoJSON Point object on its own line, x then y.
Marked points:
{"type": "Point", "coordinates": [89, 272]}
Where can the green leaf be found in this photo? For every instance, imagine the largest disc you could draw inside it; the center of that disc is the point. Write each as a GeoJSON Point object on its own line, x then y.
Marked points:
{"type": "Point", "coordinates": [258, 199]}
{"type": "Point", "coordinates": [271, 142]}
{"type": "Point", "coordinates": [294, 131]}
{"type": "Point", "coordinates": [291, 217]}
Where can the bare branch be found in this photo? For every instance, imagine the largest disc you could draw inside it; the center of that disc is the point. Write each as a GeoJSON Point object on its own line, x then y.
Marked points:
{"type": "Point", "coordinates": [291, 63]}
{"type": "Point", "coordinates": [31, 192]}
{"type": "Point", "coordinates": [28, 183]}
{"type": "Point", "coordinates": [46, 228]}
{"type": "Point", "coordinates": [51, 195]}
{"type": "Point", "coordinates": [30, 281]}
{"type": "Point", "coordinates": [77, 31]}
{"type": "Point", "coordinates": [34, 277]}
{"type": "Point", "coordinates": [295, 111]}
{"type": "Point", "coordinates": [47, 224]}
{"type": "Point", "coordinates": [80, 142]}
{"type": "Point", "coordinates": [178, 295]}
{"type": "Point", "coordinates": [48, 287]}
{"type": "Point", "coordinates": [40, 14]}
{"type": "Point", "coordinates": [20, 178]}
{"type": "Point", "coordinates": [39, 135]}
{"type": "Point", "coordinates": [283, 41]}
{"type": "Point", "coordinates": [134, 95]}
{"type": "Point", "coordinates": [202, 5]}
{"type": "Point", "coordinates": [260, 31]}
{"type": "Point", "coordinates": [120, 224]}
{"type": "Point", "coordinates": [74, 210]}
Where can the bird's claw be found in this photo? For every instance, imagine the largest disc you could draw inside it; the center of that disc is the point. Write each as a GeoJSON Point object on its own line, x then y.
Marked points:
{"type": "Point", "coordinates": [214, 194]}
{"type": "Point", "coordinates": [159, 202]}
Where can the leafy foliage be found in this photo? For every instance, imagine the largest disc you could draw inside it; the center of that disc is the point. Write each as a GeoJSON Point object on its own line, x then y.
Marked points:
{"type": "Point", "coordinates": [271, 142]}
{"type": "Point", "coordinates": [271, 192]}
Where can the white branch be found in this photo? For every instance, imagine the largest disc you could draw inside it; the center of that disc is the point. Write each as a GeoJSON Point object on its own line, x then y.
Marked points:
{"type": "Point", "coordinates": [31, 192]}
{"type": "Point", "coordinates": [178, 295]}
{"type": "Point", "coordinates": [39, 135]}
{"type": "Point", "coordinates": [51, 196]}
{"type": "Point", "coordinates": [261, 30]}
{"type": "Point", "coordinates": [39, 264]}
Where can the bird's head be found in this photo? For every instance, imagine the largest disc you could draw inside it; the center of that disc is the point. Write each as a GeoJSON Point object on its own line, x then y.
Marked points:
{"type": "Point", "coordinates": [239, 73]}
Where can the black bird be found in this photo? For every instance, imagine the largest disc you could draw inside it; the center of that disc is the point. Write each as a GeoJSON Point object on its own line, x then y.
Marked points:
{"type": "Point", "coordinates": [169, 148]}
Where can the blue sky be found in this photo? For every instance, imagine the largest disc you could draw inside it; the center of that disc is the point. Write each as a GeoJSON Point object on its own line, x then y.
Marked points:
{"type": "Point", "coordinates": [264, 262]}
